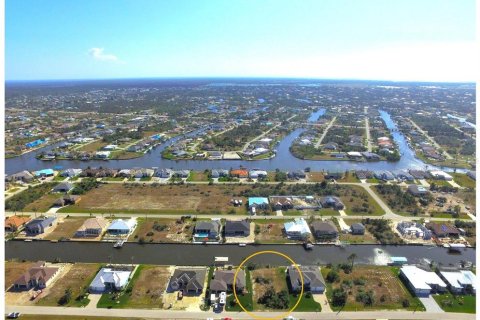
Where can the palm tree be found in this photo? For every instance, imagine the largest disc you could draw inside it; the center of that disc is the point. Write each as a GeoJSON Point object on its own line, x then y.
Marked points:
{"type": "Point", "coordinates": [352, 258]}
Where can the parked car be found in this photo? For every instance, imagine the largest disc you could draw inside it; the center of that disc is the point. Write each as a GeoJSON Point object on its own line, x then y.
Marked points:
{"type": "Point", "coordinates": [13, 315]}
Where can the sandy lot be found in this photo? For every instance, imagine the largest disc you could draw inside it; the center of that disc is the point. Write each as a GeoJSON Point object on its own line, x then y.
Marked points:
{"type": "Point", "coordinates": [149, 287]}
{"type": "Point", "coordinates": [175, 230]}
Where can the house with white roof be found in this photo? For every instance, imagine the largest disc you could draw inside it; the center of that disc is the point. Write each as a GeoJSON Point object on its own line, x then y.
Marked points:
{"type": "Point", "coordinates": [440, 175]}
{"type": "Point", "coordinates": [422, 282]}
{"type": "Point", "coordinates": [297, 229]}
{"type": "Point", "coordinates": [108, 279]}
{"type": "Point", "coordinates": [461, 281]}
{"type": "Point", "coordinates": [122, 227]}
{"type": "Point", "coordinates": [255, 174]}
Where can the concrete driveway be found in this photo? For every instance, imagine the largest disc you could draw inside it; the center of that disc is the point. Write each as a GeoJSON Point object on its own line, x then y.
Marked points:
{"type": "Point", "coordinates": [430, 304]}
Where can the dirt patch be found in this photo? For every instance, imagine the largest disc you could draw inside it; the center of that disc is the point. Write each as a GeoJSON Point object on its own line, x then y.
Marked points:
{"type": "Point", "coordinates": [270, 231]}
{"type": "Point", "coordinates": [163, 230]}
{"type": "Point", "coordinates": [161, 198]}
{"type": "Point", "coordinates": [13, 270]}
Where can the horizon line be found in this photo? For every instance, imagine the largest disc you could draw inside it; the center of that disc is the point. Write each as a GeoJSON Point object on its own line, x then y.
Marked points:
{"type": "Point", "coordinates": [239, 78]}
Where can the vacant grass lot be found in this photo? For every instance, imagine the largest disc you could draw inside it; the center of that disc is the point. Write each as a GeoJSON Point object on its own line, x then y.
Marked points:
{"type": "Point", "coordinates": [197, 176]}
{"type": "Point", "coordinates": [463, 180]}
{"type": "Point", "coordinates": [271, 231]}
{"type": "Point", "coordinates": [43, 204]}
{"type": "Point", "coordinates": [356, 198]}
{"type": "Point", "coordinates": [66, 229]}
{"type": "Point", "coordinates": [276, 278]}
{"type": "Point", "coordinates": [78, 278]}
{"type": "Point", "coordinates": [389, 291]}
{"type": "Point", "coordinates": [148, 287]}
{"type": "Point", "coordinates": [93, 146]}
{"type": "Point", "coordinates": [138, 198]}
{"type": "Point", "coordinates": [451, 303]}
{"type": "Point", "coordinates": [13, 270]}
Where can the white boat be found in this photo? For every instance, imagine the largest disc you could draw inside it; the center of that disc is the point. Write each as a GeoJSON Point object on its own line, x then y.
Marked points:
{"type": "Point", "coordinates": [242, 244]}
{"type": "Point", "coordinates": [119, 244]}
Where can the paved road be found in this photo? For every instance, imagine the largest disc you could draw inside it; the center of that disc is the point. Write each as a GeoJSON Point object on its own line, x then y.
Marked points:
{"type": "Point", "coordinates": [167, 314]}
{"type": "Point", "coordinates": [367, 133]}
{"type": "Point", "coordinates": [448, 156]}
{"type": "Point", "coordinates": [319, 142]}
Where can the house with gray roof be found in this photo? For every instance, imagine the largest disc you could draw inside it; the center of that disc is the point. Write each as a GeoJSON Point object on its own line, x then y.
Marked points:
{"type": "Point", "coordinates": [312, 279]}
{"type": "Point", "coordinates": [332, 202]}
{"type": "Point", "coordinates": [324, 230]}
{"type": "Point", "coordinates": [207, 231]}
{"type": "Point", "coordinates": [189, 281]}
{"type": "Point", "coordinates": [63, 187]}
{"type": "Point", "coordinates": [235, 228]}
{"type": "Point", "coordinates": [223, 281]}
{"type": "Point", "coordinates": [24, 176]}
{"type": "Point", "coordinates": [40, 225]}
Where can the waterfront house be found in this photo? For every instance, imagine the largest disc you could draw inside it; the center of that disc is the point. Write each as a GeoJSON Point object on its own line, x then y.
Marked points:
{"type": "Point", "coordinates": [92, 227]}
{"type": "Point", "coordinates": [122, 227]}
{"type": "Point", "coordinates": [384, 175]}
{"type": "Point", "coordinates": [217, 173]}
{"type": "Point", "coordinates": [40, 225]}
{"type": "Point", "coordinates": [24, 176]}
{"type": "Point", "coordinates": [189, 281]}
{"type": "Point", "coordinates": [419, 174]}
{"type": "Point", "coordinates": [181, 173]}
{"type": "Point", "coordinates": [237, 228]}
{"type": "Point", "coordinates": [414, 229]}
{"type": "Point", "coordinates": [38, 276]}
{"type": "Point", "coordinates": [422, 282]}
{"type": "Point", "coordinates": [324, 230]}
{"type": "Point", "coordinates": [460, 281]}
{"type": "Point", "coordinates": [298, 174]}
{"type": "Point", "coordinates": [440, 175]}
{"type": "Point", "coordinates": [357, 229]}
{"type": "Point", "coordinates": [472, 175]}
{"type": "Point", "coordinates": [403, 175]}
{"type": "Point", "coordinates": [110, 279]}
{"type": "Point", "coordinates": [363, 174]}
{"type": "Point", "coordinates": [312, 279]}
{"type": "Point", "coordinates": [239, 173]}
{"type": "Point", "coordinates": [14, 223]}
{"type": "Point", "coordinates": [443, 230]}
{"type": "Point", "coordinates": [370, 156]}
{"type": "Point", "coordinates": [207, 231]}
{"type": "Point", "coordinates": [163, 173]}
{"type": "Point", "coordinates": [297, 229]}
{"type": "Point", "coordinates": [223, 281]}
{"type": "Point", "coordinates": [336, 175]}
{"type": "Point", "coordinates": [258, 174]}
{"type": "Point", "coordinates": [44, 173]}
{"type": "Point", "coordinates": [70, 173]}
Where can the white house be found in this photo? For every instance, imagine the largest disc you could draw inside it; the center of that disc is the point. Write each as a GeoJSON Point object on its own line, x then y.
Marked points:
{"type": "Point", "coordinates": [119, 226]}
{"type": "Point", "coordinates": [422, 282]}
{"type": "Point", "coordinates": [108, 279]}
{"type": "Point", "coordinates": [458, 281]}
{"type": "Point", "coordinates": [297, 229]}
{"type": "Point", "coordinates": [441, 175]}
{"type": "Point", "coordinates": [255, 174]}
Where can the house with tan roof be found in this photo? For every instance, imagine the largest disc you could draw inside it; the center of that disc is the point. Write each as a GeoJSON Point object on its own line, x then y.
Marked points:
{"type": "Point", "coordinates": [38, 276]}
{"type": "Point", "coordinates": [92, 227]}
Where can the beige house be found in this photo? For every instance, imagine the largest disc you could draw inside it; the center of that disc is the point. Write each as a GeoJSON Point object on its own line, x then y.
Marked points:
{"type": "Point", "coordinates": [92, 227]}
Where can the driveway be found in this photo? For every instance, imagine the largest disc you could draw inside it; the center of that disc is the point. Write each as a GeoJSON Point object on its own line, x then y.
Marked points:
{"type": "Point", "coordinates": [430, 304]}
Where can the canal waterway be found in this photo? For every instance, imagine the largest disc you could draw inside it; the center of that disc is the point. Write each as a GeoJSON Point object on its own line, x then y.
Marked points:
{"type": "Point", "coordinates": [283, 160]}
{"type": "Point", "coordinates": [198, 255]}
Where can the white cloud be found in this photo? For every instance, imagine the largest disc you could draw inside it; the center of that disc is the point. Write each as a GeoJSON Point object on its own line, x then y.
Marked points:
{"type": "Point", "coordinates": [99, 55]}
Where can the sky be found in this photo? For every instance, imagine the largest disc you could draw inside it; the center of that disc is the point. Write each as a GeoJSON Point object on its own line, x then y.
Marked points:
{"type": "Point", "coordinates": [402, 40]}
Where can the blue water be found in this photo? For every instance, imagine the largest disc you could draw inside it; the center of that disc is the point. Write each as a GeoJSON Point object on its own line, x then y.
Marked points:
{"type": "Point", "coordinates": [284, 160]}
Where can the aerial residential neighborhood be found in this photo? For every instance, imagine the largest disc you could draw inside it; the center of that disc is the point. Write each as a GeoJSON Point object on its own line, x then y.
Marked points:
{"type": "Point", "coordinates": [240, 159]}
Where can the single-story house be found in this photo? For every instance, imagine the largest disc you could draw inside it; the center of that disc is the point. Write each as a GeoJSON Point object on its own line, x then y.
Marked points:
{"type": "Point", "coordinates": [281, 202]}
{"type": "Point", "coordinates": [412, 228]}
{"type": "Point", "coordinates": [70, 172]}
{"type": "Point", "coordinates": [461, 281]}
{"type": "Point", "coordinates": [92, 227]}
{"type": "Point", "coordinates": [354, 155]}
{"type": "Point", "coordinates": [332, 202]}
{"type": "Point", "coordinates": [363, 174]}
{"type": "Point", "coordinates": [312, 279]}
{"type": "Point", "coordinates": [256, 174]}
{"type": "Point", "coordinates": [108, 279]}
{"type": "Point", "coordinates": [13, 223]}
{"type": "Point", "coordinates": [38, 276]}
{"type": "Point", "coordinates": [419, 174]}
{"type": "Point", "coordinates": [181, 173]}
{"type": "Point", "coordinates": [223, 281]}
{"type": "Point", "coordinates": [235, 228]}
{"type": "Point", "coordinates": [63, 187]}
{"type": "Point", "coordinates": [403, 175]}
{"type": "Point", "coordinates": [189, 281]}
{"type": "Point", "coordinates": [357, 228]}
{"type": "Point", "coordinates": [440, 175]}
{"type": "Point", "coordinates": [24, 176]}
{"type": "Point", "coordinates": [44, 173]}
{"type": "Point", "coordinates": [334, 175]}
{"type": "Point", "coordinates": [443, 230]}
{"type": "Point", "coordinates": [332, 146]}
{"type": "Point", "coordinates": [472, 175]}
{"type": "Point", "coordinates": [324, 230]}
{"type": "Point", "coordinates": [239, 173]}
{"type": "Point", "coordinates": [258, 203]}
{"type": "Point", "coordinates": [297, 229]}
{"type": "Point", "coordinates": [370, 156]}
{"type": "Point", "coordinates": [207, 231]}
{"type": "Point", "coordinates": [40, 225]}
{"type": "Point", "coordinates": [122, 227]}
{"type": "Point", "coordinates": [384, 175]}
{"type": "Point", "coordinates": [417, 190]}
{"type": "Point", "coordinates": [217, 173]}
{"type": "Point", "coordinates": [163, 173]}
{"type": "Point", "coordinates": [422, 282]}
{"type": "Point", "coordinates": [298, 174]}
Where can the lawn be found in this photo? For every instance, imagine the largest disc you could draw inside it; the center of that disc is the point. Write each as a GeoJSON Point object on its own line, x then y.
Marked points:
{"type": "Point", "coordinates": [120, 299]}
{"type": "Point", "coordinates": [351, 238]}
{"type": "Point", "coordinates": [315, 176]}
{"type": "Point", "coordinates": [275, 277]}
{"type": "Point", "coordinates": [13, 270]}
{"type": "Point", "coordinates": [307, 303]}
{"type": "Point", "coordinates": [155, 198]}
{"type": "Point", "coordinates": [43, 204]}
{"type": "Point", "coordinates": [271, 231]}
{"type": "Point", "coordinates": [66, 229]}
{"type": "Point", "coordinates": [356, 200]}
{"type": "Point", "coordinates": [463, 180]}
{"type": "Point", "coordinates": [198, 176]}
{"type": "Point", "coordinates": [148, 287]}
{"type": "Point", "coordinates": [93, 146]}
{"type": "Point", "coordinates": [78, 278]}
{"type": "Point", "coordinates": [246, 298]}
{"type": "Point", "coordinates": [451, 303]}
{"type": "Point", "coordinates": [399, 200]}
{"type": "Point", "coordinates": [388, 290]}
{"type": "Point", "coordinates": [163, 230]}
